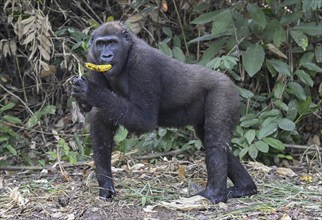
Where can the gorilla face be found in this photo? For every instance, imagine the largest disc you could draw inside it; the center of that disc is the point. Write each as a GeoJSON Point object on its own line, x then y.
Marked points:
{"type": "Point", "coordinates": [110, 47]}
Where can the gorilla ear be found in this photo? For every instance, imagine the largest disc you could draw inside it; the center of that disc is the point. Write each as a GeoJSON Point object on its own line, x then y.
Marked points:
{"type": "Point", "coordinates": [90, 41]}
{"type": "Point", "coordinates": [126, 35]}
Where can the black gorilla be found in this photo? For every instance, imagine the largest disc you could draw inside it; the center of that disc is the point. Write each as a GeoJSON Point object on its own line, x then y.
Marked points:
{"type": "Point", "coordinates": [145, 89]}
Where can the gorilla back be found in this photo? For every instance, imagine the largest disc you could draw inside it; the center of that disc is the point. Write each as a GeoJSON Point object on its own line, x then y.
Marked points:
{"type": "Point", "coordinates": [145, 89]}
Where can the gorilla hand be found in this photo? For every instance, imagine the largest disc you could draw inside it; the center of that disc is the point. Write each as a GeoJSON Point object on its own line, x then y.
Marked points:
{"type": "Point", "coordinates": [83, 91]}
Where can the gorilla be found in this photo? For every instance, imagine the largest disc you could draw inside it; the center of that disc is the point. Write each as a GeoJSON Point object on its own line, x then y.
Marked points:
{"type": "Point", "coordinates": [145, 89]}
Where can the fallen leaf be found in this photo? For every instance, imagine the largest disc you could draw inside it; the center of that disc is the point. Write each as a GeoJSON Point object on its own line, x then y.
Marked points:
{"type": "Point", "coordinates": [149, 208]}
{"type": "Point", "coordinates": [286, 172]}
{"type": "Point", "coordinates": [182, 172]}
{"type": "Point", "coordinates": [188, 204]}
{"type": "Point", "coordinates": [260, 167]}
{"type": "Point", "coordinates": [137, 166]}
{"type": "Point", "coordinates": [306, 178]}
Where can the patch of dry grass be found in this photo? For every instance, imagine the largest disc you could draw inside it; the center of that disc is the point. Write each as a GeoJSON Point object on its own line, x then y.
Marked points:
{"type": "Point", "coordinates": [143, 189]}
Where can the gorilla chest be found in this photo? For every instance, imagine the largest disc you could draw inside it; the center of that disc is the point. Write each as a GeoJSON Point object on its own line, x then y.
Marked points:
{"type": "Point", "coordinates": [119, 85]}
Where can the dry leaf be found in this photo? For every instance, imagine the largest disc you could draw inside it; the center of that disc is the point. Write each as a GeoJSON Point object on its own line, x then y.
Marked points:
{"type": "Point", "coordinates": [272, 48]}
{"type": "Point", "coordinates": [188, 204]}
{"type": "Point", "coordinates": [137, 166]}
{"type": "Point", "coordinates": [259, 166]}
{"type": "Point", "coordinates": [285, 172]}
{"type": "Point", "coordinates": [182, 171]}
{"type": "Point", "coordinates": [149, 208]}
{"type": "Point", "coordinates": [16, 198]}
{"type": "Point", "coordinates": [164, 6]}
{"type": "Point", "coordinates": [306, 178]}
{"type": "Point", "coordinates": [286, 217]}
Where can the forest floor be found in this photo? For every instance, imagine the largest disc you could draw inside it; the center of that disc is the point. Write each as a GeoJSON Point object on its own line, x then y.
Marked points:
{"type": "Point", "coordinates": [158, 191]}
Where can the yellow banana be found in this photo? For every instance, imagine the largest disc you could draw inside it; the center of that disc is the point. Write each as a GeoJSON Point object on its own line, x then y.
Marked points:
{"type": "Point", "coordinates": [98, 68]}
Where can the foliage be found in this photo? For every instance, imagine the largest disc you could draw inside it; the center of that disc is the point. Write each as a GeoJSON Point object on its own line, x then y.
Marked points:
{"type": "Point", "coordinates": [255, 41]}
{"type": "Point", "coordinates": [272, 49]}
{"type": "Point", "coordinates": [8, 137]}
{"type": "Point", "coordinates": [160, 140]}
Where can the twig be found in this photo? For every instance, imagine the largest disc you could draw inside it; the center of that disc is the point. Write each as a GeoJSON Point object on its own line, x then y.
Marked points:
{"type": "Point", "coordinates": [181, 27]}
{"type": "Point", "coordinates": [17, 97]}
{"type": "Point", "coordinates": [304, 147]}
{"type": "Point", "coordinates": [67, 165]}
{"type": "Point", "coordinates": [156, 155]}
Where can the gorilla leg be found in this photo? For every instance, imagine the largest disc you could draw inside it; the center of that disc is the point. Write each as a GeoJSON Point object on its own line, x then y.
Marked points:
{"type": "Point", "coordinates": [102, 133]}
{"type": "Point", "coordinates": [221, 117]}
{"type": "Point", "coordinates": [243, 182]}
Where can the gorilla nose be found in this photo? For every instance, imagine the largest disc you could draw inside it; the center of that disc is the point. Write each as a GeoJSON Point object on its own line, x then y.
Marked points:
{"type": "Point", "coordinates": [107, 57]}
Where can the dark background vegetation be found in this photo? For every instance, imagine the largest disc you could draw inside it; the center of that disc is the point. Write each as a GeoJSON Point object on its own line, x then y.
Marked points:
{"type": "Point", "coordinates": [271, 49]}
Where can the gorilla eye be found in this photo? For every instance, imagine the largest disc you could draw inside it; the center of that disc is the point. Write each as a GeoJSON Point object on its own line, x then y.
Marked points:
{"type": "Point", "coordinates": [125, 34]}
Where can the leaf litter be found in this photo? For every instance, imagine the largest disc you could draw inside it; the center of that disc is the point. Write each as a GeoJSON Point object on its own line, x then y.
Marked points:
{"type": "Point", "coordinates": [158, 191]}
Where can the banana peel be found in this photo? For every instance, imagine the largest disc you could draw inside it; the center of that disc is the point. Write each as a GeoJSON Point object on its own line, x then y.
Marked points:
{"type": "Point", "coordinates": [98, 68]}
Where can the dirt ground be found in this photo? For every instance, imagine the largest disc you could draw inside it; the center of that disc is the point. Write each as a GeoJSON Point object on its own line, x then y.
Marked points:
{"type": "Point", "coordinates": [158, 191]}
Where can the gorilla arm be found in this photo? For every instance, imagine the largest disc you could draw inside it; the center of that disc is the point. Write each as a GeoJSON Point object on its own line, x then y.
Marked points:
{"type": "Point", "coordinates": [135, 113]}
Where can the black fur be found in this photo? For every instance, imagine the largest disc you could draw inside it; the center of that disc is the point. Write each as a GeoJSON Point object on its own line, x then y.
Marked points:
{"type": "Point", "coordinates": [145, 89]}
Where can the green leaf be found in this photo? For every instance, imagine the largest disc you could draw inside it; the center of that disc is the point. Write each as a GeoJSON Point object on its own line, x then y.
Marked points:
{"type": "Point", "coordinates": [267, 130]}
{"type": "Point", "coordinates": [248, 117]}
{"type": "Point", "coordinates": [11, 149]}
{"type": "Point", "coordinates": [250, 136]}
{"type": "Point", "coordinates": [205, 17]}
{"type": "Point", "coordinates": [311, 5]}
{"type": "Point", "coordinates": [313, 67]}
{"type": "Point", "coordinates": [290, 18]}
{"type": "Point", "coordinates": [311, 28]}
{"type": "Point", "coordinates": [243, 152]}
{"type": "Point", "coordinates": [300, 38]}
{"type": "Point", "coordinates": [297, 90]}
{"type": "Point", "coordinates": [279, 36]}
{"type": "Point", "coordinates": [178, 54]}
{"type": "Point", "coordinates": [245, 93]}
{"type": "Point", "coordinates": [281, 105]}
{"type": "Point", "coordinates": [12, 119]}
{"type": "Point", "coordinates": [249, 123]}
{"type": "Point", "coordinates": [221, 22]}
{"type": "Point", "coordinates": [292, 109]}
{"type": "Point", "coordinates": [252, 151]}
{"type": "Point", "coordinates": [202, 38]}
{"type": "Point", "coordinates": [201, 7]}
{"type": "Point", "coordinates": [287, 125]}
{"type": "Point", "coordinates": [318, 53]}
{"type": "Point", "coordinates": [33, 120]}
{"type": "Point", "coordinates": [121, 134]}
{"type": "Point", "coordinates": [306, 107]}
{"type": "Point", "coordinates": [304, 77]}
{"type": "Point", "coordinates": [278, 90]}
{"type": "Point", "coordinates": [162, 132]}
{"type": "Point", "coordinates": [211, 51]}
{"type": "Point", "coordinates": [165, 49]}
{"type": "Point", "coordinates": [262, 146]}
{"type": "Point", "coordinates": [167, 31]}
{"type": "Point", "coordinates": [8, 106]}
{"type": "Point", "coordinates": [49, 109]}
{"type": "Point", "coordinates": [253, 59]}
{"type": "Point", "coordinates": [143, 200]}
{"type": "Point", "coordinates": [270, 113]}
{"type": "Point", "coordinates": [306, 58]}
{"type": "Point", "coordinates": [4, 138]}
{"type": "Point", "coordinates": [257, 15]}
{"type": "Point", "coordinates": [214, 63]}
{"type": "Point", "coordinates": [281, 67]}
{"type": "Point", "coordinates": [277, 144]}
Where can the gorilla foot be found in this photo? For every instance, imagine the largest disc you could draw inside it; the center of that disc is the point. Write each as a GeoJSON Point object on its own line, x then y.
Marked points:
{"type": "Point", "coordinates": [107, 193]}
{"type": "Point", "coordinates": [234, 192]}
{"type": "Point", "coordinates": [208, 194]}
